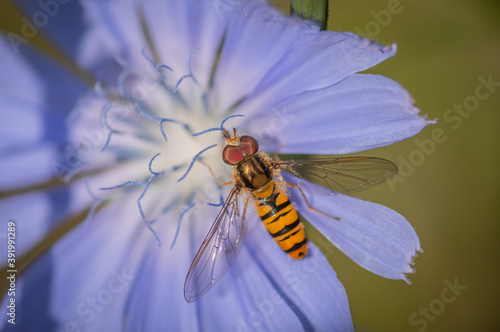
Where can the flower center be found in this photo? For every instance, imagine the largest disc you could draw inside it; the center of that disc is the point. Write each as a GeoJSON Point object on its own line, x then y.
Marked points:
{"type": "Point", "coordinates": [155, 142]}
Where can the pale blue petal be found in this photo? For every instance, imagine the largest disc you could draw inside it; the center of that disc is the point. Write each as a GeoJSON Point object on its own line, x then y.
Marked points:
{"type": "Point", "coordinates": [315, 61]}
{"type": "Point", "coordinates": [266, 290]}
{"type": "Point", "coordinates": [113, 39]}
{"type": "Point", "coordinates": [37, 96]}
{"type": "Point", "coordinates": [256, 39]}
{"type": "Point", "coordinates": [24, 124]}
{"type": "Point", "coordinates": [184, 29]}
{"type": "Point", "coordinates": [361, 112]}
{"type": "Point", "coordinates": [157, 301]}
{"type": "Point", "coordinates": [86, 31]}
{"type": "Point", "coordinates": [27, 166]}
{"type": "Point", "coordinates": [374, 236]}
{"type": "Point", "coordinates": [85, 278]}
{"type": "Point", "coordinates": [49, 19]}
{"type": "Point", "coordinates": [311, 284]}
{"type": "Point", "coordinates": [30, 76]}
{"type": "Point", "coordinates": [37, 213]}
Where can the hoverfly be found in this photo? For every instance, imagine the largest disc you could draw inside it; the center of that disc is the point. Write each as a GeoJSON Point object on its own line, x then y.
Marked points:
{"type": "Point", "coordinates": [256, 174]}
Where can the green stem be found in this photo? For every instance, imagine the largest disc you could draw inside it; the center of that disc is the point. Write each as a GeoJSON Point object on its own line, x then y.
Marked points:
{"type": "Point", "coordinates": [315, 10]}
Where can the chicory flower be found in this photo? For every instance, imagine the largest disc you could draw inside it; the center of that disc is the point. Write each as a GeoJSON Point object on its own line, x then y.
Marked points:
{"type": "Point", "coordinates": [125, 154]}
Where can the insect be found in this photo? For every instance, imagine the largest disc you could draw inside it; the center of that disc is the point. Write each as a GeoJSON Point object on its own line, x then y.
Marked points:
{"type": "Point", "coordinates": [256, 174]}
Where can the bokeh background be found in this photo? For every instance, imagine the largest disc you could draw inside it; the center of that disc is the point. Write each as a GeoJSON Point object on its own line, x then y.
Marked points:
{"type": "Point", "coordinates": [448, 189]}
{"type": "Point", "coordinates": [452, 196]}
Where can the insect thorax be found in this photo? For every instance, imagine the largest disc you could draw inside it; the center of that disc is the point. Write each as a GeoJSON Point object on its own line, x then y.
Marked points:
{"type": "Point", "coordinates": [254, 172]}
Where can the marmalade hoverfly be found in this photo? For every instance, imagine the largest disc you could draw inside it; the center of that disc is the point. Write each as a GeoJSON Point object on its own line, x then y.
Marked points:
{"type": "Point", "coordinates": [256, 174]}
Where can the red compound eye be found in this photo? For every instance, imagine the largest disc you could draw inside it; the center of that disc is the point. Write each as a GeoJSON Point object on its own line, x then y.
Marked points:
{"type": "Point", "coordinates": [232, 154]}
{"type": "Point", "coordinates": [249, 145]}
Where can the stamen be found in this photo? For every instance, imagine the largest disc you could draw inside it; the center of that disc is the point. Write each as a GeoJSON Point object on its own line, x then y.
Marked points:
{"type": "Point", "coordinates": [162, 120]}
{"type": "Point", "coordinates": [146, 222]}
{"type": "Point", "coordinates": [179, 223]}
{"type": "Point", "coordinates": [139, 184]}
{"type": "Point", "coordinates": [128, 183]}
{"type": "Point", "coordinates": [106, 109]}
{"type": "Point", "coordinates": [229, 117]}
{"type": "Point", "coordinates": [220, 204]}
{"type": "Point", "coordinates": [194, 160]}
{"type": "Point", "coordinates": [157, 67]}
{"type": "Point", "coordinates": [148, 58]}
{"type": "Point", "coordinates": [180, 81]}
{"type": "Point", "coordinates": [189, 66]}
{"type": "Point", "coordinates": [151, 162]}
{"type": "Point", "coordinates": [146, 185]}
{"type": "Point", "coordinates": [204, 98]}
{"type": "Point", "coordinates": [190, 74]}
{"type": "Point", "coordinates": [141, 196]}
{"type": "Point", "coordinates": [221, 128]}
{"type": "Point", "coordinates": [94, 204]}
{"type": "Point", "coordinates": [160, 68]}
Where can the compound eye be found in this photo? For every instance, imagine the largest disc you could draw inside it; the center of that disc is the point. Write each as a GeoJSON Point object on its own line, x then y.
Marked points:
{"type": "Point", "coordinates": [249, 145]}
{"type": "Point", "coordinates": [232, 154]}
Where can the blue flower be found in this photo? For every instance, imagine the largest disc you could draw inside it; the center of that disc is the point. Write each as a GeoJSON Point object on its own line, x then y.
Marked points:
{"type": "Point", "coordinates": [119, 155]}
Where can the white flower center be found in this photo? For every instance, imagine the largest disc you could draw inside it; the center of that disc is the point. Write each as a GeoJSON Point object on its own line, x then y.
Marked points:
{"type": "Point", "coordinates": [147, 141]}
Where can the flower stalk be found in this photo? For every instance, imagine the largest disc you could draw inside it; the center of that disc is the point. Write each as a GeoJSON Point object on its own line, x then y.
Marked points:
{"type": "Point", "coordinates": [314, 10]}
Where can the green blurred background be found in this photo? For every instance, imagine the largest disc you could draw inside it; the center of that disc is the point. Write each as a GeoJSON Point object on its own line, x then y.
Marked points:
{"type": "Point", "coordinates": [452, 196]}
{"type": "Point", "coordinates": [451, 193]}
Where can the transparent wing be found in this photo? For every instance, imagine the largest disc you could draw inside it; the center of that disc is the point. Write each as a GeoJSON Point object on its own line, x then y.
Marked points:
{"type": "Point", "coordinates": [218, 251]}
{"type": "Point", "coordinates": [346, 175]}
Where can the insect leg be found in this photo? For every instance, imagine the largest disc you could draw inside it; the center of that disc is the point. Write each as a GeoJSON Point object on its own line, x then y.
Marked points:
{"type": "Point", "coordinates": [277, 152]}
{"type": "Point", "coordinates": [213, 175]}
{"type": "Point", "coordinates": [307, 202]}
{"type": "Point", "coordinates": [245, 208]}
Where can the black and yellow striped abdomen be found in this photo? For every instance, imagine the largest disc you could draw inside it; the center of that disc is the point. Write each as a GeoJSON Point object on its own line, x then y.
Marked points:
{"type": "Point", "coordinates": [283, 223]}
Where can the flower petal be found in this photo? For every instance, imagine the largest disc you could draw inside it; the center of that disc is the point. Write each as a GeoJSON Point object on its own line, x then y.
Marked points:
{"type": "Point", "coordinates": [37, 96]}
{"type": "Point", "coordinates": [256, 38]}
{"type": "Point", "coordinates": [98, 287]}
{"type": "Point", "coordinates": [30, 77]}
{"type": "Point", "coordinates": [309, 287]}
{"type": "Point", "coordinates": [374, 236]}
{"type": "Point", "coordinates": [24, 124]}
{"type": "Point", "coordinates": [95, 34]}
{"type": "Point", "coordinates": [157, 301]}
{"type": "Point", "coordinates": [27, 167]}
{"type": "Point", "coordinates": [316, 61]}
{"type": "Point", "coordinates": [194, 29]}
{"type": "Point", "coordinates": [361, 112]}
{"type": "Point", "coordinates": [112, 39]}
{"type": "Point", "coordinates": [265, 289]}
